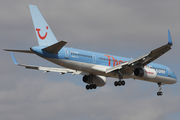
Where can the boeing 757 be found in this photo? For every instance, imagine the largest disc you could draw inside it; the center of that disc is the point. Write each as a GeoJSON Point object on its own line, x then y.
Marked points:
{"type": "Point", "coordinates": [95, 67]}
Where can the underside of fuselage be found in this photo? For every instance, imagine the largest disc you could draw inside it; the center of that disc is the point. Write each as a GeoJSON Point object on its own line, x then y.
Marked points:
{"type": "Point", "coordinates": [94, 69]}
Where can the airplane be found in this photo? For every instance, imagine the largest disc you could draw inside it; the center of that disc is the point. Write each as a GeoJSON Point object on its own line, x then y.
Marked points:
{"type": "Point", "coordinates": [95, 67]}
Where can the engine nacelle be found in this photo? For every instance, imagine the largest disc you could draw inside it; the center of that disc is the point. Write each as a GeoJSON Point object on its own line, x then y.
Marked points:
{"type": "Point", "coordinates": [145, 73]}
{"type": "Point", "coordinates": [96, 79]}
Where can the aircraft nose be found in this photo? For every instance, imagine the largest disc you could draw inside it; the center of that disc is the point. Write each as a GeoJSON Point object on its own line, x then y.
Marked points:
{"type": "Point", "coordinates": [175, 79]}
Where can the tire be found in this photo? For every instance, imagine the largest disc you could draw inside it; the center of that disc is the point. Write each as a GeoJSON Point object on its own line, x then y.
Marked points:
{"type": "Point", "coordinates": [116, 83]}
{"type": "Point", "coordinates": [94, 86]}
{"type": "Point", "coordinates": [87, 87]}
{"type": "Point", "coordinates": [123, 82]}
{"type": "Point", "coordinates": [159, 93]}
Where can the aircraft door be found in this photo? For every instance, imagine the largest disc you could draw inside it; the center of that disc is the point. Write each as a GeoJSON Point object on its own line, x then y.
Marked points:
{"type": "Point", "coordinates": [66, 53]}
{"type": "Point", "coordinates": [94, 58]}
{"type": "Point", "coordinates": [169, 72]}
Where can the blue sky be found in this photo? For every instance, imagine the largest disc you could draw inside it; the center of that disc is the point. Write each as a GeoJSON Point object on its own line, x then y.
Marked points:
{"type": "Point", "coordinates": [123, 28]}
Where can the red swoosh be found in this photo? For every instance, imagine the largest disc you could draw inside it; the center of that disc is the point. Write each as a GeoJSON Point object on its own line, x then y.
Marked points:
{"type": "Point", "coordinates": [41, 37]}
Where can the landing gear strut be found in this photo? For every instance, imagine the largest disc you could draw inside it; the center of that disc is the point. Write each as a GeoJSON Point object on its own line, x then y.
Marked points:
{"type": "Point", "coordinates": [160, 93]}
{"type": "Point", "coordinates": [120, 82]}
{"type": "Point", "coordinates": [91, 86]}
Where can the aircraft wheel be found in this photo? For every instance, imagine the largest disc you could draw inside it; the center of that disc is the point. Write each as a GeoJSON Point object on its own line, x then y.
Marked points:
{"type": "Point", "coordinates": [159, 93]}
{"type": "Point", "coordinates": [116, 83]}
{"type": "Point", "coordinates": [119, 83]}
{"type": "Point", "coordinates": [123, 82]}
{"type": "Point", "coordinates": [90, 87]}
{"type": "Point", "coordinates": [94, 86]}
{"type": "Point", "coordinates": [87, 87]}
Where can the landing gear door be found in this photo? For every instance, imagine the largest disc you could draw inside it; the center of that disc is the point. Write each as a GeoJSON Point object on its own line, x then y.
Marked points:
{"type": "Point", "coordinates": [66, 53]}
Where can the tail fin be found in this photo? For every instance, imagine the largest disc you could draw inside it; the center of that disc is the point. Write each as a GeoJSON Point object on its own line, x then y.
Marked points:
{"type": "Point", "coordinates": [44, 34]}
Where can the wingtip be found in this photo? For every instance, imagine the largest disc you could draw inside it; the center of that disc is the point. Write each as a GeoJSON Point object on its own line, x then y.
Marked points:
{"type": "Point", "coordinates": [169, 38]}
{"type": "Point", "coordinates": [14, 60]}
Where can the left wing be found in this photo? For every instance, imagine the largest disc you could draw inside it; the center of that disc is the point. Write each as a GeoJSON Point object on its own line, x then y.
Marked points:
{"type": "Point", "coordinates": [145, 59]}
{"type": "Point", "coordinates": [49, 69]}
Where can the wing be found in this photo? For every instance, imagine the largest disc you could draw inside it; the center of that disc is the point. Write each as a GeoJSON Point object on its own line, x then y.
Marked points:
{"type": "Point", "coordinates": [143, 60]}
{"type": "Point", "coordinates": [49, 69]}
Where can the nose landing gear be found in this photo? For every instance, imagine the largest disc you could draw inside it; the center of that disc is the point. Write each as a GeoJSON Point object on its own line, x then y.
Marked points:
{"type": "Point", "coordinates": [160, 93]}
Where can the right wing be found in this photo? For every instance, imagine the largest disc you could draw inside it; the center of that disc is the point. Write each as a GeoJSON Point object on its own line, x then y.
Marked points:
{"type": "Point", "coordinates": [49, 69]}
{"type": "Point", "coordinates": [143, 60]}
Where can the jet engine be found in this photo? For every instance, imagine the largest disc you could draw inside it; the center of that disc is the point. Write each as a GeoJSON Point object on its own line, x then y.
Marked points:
{"type": "Point", "coordinates": [96, 79]}
{"type": "Point", "coordinates": [145, 73]}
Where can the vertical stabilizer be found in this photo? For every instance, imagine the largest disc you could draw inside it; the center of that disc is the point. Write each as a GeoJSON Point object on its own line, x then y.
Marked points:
{"type": "Point", "coordinates": [44, 34]}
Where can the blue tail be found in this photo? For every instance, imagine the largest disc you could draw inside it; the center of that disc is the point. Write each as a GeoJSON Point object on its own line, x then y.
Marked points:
{"type": "Point", "coordinates": [44, 34]}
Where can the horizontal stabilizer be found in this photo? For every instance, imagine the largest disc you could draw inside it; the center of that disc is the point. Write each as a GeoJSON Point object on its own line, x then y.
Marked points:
{"type": "Point", "coordinates": [23, 51]}
{"type": "Point", "coordinates": [49, 69]}
{"type": "Point", "coordinates": [55, 47]}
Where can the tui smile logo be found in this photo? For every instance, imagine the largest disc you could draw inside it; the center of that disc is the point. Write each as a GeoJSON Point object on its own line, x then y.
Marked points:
{"type": "Point", "coordinates": [41, 37]}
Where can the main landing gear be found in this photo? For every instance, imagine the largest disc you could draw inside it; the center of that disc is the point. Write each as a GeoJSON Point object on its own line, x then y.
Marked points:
{"type": "Point", "coordinates": [91, 86]}
{"type": "Point", "coordinates": [160, 93]}
{"type": "Point", "coordinates": [120, 82]}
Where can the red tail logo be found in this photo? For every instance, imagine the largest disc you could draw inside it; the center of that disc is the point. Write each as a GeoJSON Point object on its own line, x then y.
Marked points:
{"type": "Point", "coordinates": [41, 37]}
